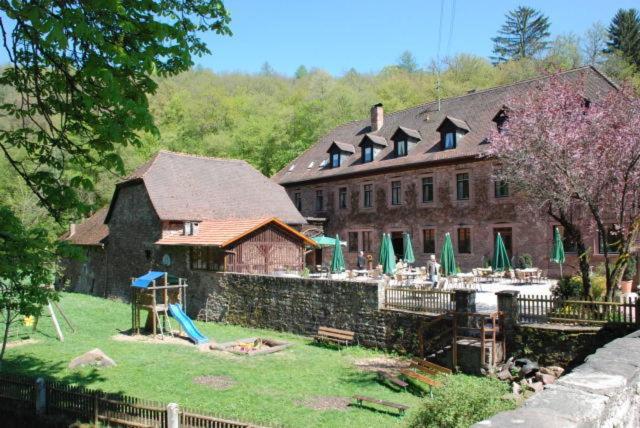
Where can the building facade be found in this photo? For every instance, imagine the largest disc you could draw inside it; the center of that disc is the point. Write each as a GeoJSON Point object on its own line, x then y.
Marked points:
{"type": "Point", "coordinates": [191, 216]}
{"type": "Point", "coordinates": [422, 171]}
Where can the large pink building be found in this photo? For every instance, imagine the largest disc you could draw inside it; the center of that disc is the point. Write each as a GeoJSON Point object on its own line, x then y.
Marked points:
{"type": "Point", "coordinates": [420, 171]}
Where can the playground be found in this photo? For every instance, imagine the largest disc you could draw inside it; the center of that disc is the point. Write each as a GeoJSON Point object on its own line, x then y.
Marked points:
{"type": "Point", "coordinates": [302, 384]}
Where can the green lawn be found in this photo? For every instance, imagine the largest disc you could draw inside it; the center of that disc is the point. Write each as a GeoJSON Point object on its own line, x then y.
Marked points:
{"type": "Point", "coordinates": [269, 387]}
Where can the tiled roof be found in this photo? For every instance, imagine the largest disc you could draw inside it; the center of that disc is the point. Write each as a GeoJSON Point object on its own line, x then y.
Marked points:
{"type": "Point", "coordinates": [91, 231]}
{"type": "Point", "coordinates": [221, 233]}
{"type": "Point", "coordinates": [348, 148]}
{"type": "Point", "coordinates": [189, 187]}
{"type": "Point", "coordinates": [410, 132]}
{"type": "Point", "coordinates": [476, 110]}
{"type": "Point", "coordinates": [375, 139]}
{"type": "Point", "coordinates": [459, 123]}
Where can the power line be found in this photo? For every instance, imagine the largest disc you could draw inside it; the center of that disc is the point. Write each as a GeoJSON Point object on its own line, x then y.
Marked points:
{"type": "Point", "coordinates": [438, 55]}
{"type": "Point", "coordinates": [453, 18]}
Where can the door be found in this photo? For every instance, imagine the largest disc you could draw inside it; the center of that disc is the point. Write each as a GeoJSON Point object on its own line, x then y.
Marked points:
{"type": "Point", "coordinates": [398, 246]}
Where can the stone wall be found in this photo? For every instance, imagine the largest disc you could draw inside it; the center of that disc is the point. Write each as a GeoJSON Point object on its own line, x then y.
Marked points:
{"type": "Point", "coordinates": [301, 305]}
{"type": "Point", "coordinates": [602, 392]}
{"type": "Point", "coordinates": [562, 345]}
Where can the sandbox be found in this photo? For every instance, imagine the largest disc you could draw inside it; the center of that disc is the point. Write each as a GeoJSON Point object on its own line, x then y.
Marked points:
{"type": "Point", "coordinates": [252, 346]}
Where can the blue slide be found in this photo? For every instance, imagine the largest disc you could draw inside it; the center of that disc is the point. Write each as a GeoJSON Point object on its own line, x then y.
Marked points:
{"type": "Point", "coordinates": [187, 325]}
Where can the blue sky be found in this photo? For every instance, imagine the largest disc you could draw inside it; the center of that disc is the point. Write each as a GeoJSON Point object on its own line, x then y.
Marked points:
{"type": "Point", "coordinates": [336, 35]}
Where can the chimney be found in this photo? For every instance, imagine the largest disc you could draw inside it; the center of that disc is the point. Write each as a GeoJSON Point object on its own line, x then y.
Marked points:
{"type": "Point", "coordinates": [377, 117]}
{"type": "Point", "coordinates": [72, 229]}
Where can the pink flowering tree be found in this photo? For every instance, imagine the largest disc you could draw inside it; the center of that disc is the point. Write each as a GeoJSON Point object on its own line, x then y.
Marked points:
{"type": "Point", "coordinates": [567, 151]}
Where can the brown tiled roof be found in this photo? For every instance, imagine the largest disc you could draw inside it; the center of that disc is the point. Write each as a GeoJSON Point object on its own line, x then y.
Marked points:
{"type": "Point", "coordinates": [91, 231]}
{"type": "Point", "coordinates": [376, 139]}
{"type": "Point", "coordinates": [459, 123]}
{"type": "Point", "coordinates": [222, 233]}
{"type": "Point", "coordinates": [410, 132]}
{"type": "Point", "coordinates": [189, 187]}
{"type": "Point", "coordinates": [476, 109]}
{"type": "Point", "coordinates": [348, 148]}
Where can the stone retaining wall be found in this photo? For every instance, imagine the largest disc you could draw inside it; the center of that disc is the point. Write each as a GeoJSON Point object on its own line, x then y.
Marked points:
{"type": "Point", "coordinates": [301, 305]}
{"type": "Point", "coordinates": [602, 392]}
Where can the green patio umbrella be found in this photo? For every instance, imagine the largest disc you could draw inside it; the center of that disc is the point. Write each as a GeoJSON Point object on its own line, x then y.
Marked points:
{"type": "Point", "coordinates": [447, 258]}
{"type": "Point", "coordinates": [389, 267]}
{"type": "Point", "coordinates": [557, 252]}
{"type": "Point", "coordinates": [407, 249]}
{"type": "Point", "coordinates": [326, 241]}
{"type": "Point", "coordinates": [337, 261]}
{"type": "Point", "coordinates": [500, 261]}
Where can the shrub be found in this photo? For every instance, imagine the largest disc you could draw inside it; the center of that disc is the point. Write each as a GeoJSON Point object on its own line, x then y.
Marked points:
{"type": "Point", "coordinates": [630, 271]}
{"type": "Point", "coordinates": [598, 286]}
{"type": "Point", "coordinates": [463, 401]}
{"type": "Point", "coordinates": [525, 261]}
{"type": "Point", "coordinates": [568, 287]}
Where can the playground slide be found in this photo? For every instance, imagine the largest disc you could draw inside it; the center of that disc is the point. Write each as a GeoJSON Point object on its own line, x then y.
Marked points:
{"type": "Point", "coordinates": [187, 325]}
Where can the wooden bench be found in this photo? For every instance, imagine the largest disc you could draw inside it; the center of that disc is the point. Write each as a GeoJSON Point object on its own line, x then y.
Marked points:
{"type": "Point", "coordinates": [333, 335]}
{"type": "Point", "coordinates": [399, 407]}
{"type": "Point", "coordinates": [429, 367]}
{"type": "Point", "coordinates": [422, 378]}
{"type": "Point", "coordinates": [384, 376]}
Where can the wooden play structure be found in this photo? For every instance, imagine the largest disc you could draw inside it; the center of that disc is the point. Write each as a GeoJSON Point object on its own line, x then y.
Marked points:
{"type": "Point", "coordinates": [154, 292]}
{"type": "Point", "coordinates": [161, 295]}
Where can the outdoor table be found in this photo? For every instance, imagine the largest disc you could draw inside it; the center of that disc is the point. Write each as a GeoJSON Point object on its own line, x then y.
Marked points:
{"type": "Point", "coordinates": [361, 272]}
{"type": "Point", "coordinates": [530, 274]}
{"type": "Point", "coordinates": [409, 275]}
{"type": "Point", "coordinates": [466, 278]}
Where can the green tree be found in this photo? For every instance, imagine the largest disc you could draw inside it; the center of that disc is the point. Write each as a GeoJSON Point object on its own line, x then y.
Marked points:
{"type": "Point", "coordinates": [564, 52]}
{"type": "Point", "coordinates": [301, 72]}
{"type": "Point", "coordinates": [523, 35]}
{"type": "Point", "coordinates": [407, 62]}
{"type": "Point", "coordinates": [594, 44]}
{"type": "Point", "coordinates": [82, 73]}
{"type": "Point", "coordinates": [624, 35]}
{"type": "Point", "coordinates": [27, 261]}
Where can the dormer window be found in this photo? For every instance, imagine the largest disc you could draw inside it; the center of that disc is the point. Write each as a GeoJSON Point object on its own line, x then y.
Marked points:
{"type": "Point", "coordinates": [401, 148]}
{"type": "Point", "coordinates": [335, 159]}
{"type": "Point", "coordinates": [367, 153]}
{"type": "Point", "coordinates": [371, 145]}
{"type": "Point", "coordinates": [190, 228]}
{"type": "Point", "coordinates": [451, 132]}
{"type": "Point", "coordinates": [449, 140]}
{"type": "Point", "coordinates": [405, 139]}
{"type": "Point", "coordinates": [338, 153]}
{"type": "Point", "coordinates": [500, 118]}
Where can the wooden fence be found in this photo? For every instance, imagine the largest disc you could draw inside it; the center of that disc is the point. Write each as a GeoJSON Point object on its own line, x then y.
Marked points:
{"type": "Point", "coordinates": [415, 300]}
{"type": "Point", "coordinates": [543, 309]}
{"type": "Point", "coordinates": [19, 395]}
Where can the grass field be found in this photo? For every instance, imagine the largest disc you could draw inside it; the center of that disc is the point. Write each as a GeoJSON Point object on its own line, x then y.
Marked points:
{"type": "Point", "coordinates": [269, 388]}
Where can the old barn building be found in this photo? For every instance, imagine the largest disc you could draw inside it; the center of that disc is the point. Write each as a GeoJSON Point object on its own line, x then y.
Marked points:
{"type": "Point", "coordinates": [190, 215]}
{"type": "Point", "coordinates": [420, 171]}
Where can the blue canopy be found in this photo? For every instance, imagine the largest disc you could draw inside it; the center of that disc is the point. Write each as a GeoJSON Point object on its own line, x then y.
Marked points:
{"type": "Point", "coordinates": [146, 279]}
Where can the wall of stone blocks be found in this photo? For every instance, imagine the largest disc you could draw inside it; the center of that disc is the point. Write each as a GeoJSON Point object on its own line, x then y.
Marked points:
{"type": "Point", "coordinates": [602, 392]}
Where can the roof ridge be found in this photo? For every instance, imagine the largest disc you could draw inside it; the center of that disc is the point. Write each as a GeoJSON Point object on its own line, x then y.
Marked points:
{"type": "Point", "coordinates": [193, 155]}
{"type": "Point", "coordinates": [506, 85]}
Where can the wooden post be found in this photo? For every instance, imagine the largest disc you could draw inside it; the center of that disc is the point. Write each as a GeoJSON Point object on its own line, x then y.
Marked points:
{"type": "Point", "coordinates": [41, 397]}
{"type": "Point", "coordinates": [55, 321]}
{"type": "Point", "coordinates": [153, 308]}
{"type": "Point", "coordinates": [96, 411]}
{"type": "Point", "coordinates": [454, 345]}
{"type": "Point", "coordinates": [173, 415]}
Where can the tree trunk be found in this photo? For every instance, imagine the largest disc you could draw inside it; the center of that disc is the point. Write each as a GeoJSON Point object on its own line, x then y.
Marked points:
{"type": "Point", "coordinates": [5, 336]}
{"type": "Point", "coordinates": [575, 234]}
